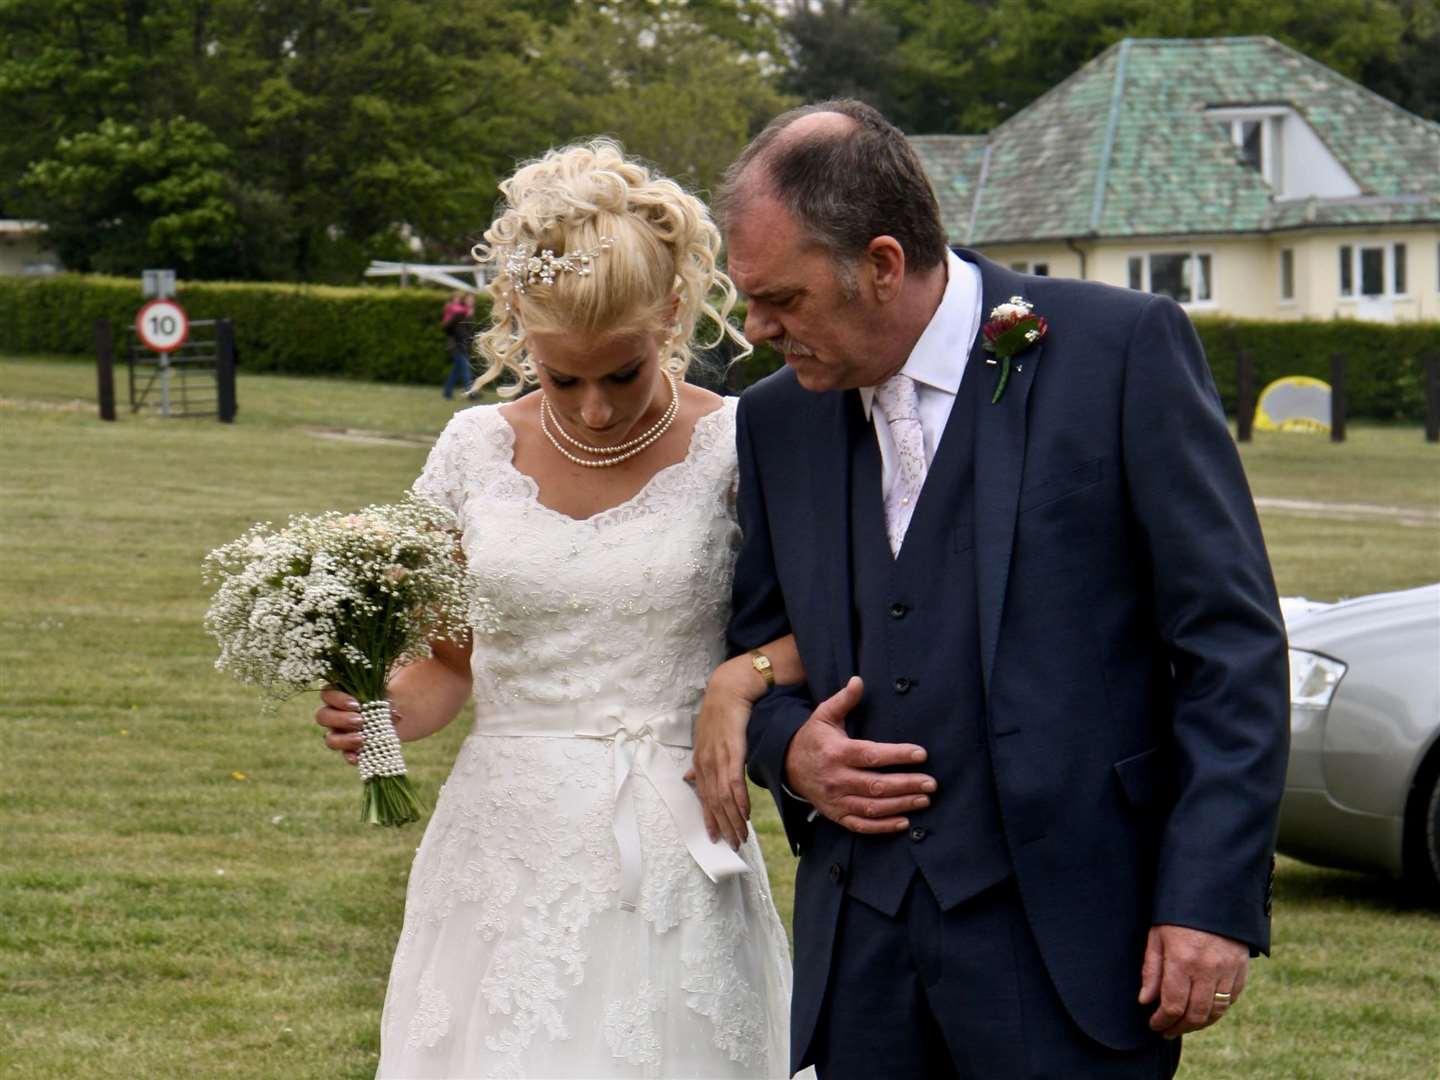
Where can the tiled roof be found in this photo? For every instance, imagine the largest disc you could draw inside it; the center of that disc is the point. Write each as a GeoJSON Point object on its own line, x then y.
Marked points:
{"type": "Point", "coordinates": [1124, 148]}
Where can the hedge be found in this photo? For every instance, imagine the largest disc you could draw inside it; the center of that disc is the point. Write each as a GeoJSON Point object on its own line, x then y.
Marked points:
{"type": "Point", "coordinates": [382, 334]}
{"type": "Point", "coordinates": [393, 335]}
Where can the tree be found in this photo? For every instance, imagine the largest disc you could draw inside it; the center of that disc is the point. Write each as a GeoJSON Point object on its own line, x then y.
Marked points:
{"type": "Point", "coordinates": [842, 48]}
{"type": "Point", "coordinates": [1411, 78]}
{"type": "Point", "coordinates": [677, 83]}
{"type": "Point", "coordinates": [111, 192]}
{"type": "Point", "coordinates": [965, 65]}
{"type": "Point", "coordinates": [344, 125]}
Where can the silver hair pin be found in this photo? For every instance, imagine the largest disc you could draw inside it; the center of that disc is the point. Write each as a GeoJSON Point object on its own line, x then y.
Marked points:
{"type": "Point", "coordinates": [526, 266]}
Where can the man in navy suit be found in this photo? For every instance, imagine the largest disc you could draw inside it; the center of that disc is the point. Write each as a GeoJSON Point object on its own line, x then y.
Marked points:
{"type": "Point", "coordinates": [1036, 835]}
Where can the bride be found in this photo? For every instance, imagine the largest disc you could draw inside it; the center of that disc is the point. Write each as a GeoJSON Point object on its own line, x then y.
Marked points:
{"type": "Point", "coordinates": [567, 913]}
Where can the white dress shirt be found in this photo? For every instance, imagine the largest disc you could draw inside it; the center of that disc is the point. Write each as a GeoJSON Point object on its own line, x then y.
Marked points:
{"type": "Point", "coordinates": [937, 363]}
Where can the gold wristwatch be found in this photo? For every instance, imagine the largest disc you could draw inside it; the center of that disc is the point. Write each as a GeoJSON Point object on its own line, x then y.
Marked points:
{"type": "Point", "coordinates": [761, 663]}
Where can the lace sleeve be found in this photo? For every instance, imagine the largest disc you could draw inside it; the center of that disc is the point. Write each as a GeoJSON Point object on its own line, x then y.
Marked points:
{"type": "Point", "coordinates": [440, 481]}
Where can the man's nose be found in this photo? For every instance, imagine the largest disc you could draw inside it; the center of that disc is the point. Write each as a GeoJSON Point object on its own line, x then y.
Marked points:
{"type": "Point", "coordinates": [760, 325]}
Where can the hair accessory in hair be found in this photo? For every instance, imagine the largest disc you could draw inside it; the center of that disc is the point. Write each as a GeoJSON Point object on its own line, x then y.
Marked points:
{"type": "Point", "coordinates": [525, 266]}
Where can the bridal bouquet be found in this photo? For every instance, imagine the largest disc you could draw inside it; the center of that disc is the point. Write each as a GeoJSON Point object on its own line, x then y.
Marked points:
{"type": "Point", "coordinates": [343, 598]}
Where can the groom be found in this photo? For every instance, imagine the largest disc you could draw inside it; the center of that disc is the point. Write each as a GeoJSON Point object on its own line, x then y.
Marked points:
{"type": "Point", "coordinates": [1038, 841]}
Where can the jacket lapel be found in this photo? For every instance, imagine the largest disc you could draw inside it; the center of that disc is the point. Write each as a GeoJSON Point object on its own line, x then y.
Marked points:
{"type": "Point", "coordinates": [830, 490]}
{"type": "Point", "coordinates": [1000, 432]}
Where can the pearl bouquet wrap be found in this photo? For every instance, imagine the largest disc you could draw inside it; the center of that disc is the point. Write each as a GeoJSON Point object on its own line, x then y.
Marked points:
{"type": "Point", "coordinates": [343, 599]}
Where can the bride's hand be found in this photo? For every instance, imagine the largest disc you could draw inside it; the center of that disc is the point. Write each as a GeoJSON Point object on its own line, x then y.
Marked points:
{"type": "Point", "coordinates": [719, 761]}
{"type": "Point", "coordinates": [339, 715]}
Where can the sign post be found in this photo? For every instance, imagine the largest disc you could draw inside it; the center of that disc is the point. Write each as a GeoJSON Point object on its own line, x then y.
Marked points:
{"type": "Point", "coordinates": [162, 327]}
{"type": "Point", "coordinates": [157, 283]}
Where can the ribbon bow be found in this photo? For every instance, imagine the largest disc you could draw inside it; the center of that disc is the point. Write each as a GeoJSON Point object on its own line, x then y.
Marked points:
{"type": "Point", "coordinates": [635, 748]}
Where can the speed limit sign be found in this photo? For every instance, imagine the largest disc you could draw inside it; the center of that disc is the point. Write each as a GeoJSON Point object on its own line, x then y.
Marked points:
{"type": "Point", "coordinates": [162, 325]}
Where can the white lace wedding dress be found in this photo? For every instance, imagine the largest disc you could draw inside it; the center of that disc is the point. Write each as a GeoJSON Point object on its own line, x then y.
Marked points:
{"type": "Point", "coordinates": [521, 955]}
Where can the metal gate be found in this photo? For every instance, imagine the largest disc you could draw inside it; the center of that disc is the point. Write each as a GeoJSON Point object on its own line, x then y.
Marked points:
{"type": "Point", "coordinates": [180, 383]}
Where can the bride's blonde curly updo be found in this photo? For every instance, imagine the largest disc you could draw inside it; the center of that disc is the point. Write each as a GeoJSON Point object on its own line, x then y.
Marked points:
{"type": "Point", "coordinates": [651, 244]}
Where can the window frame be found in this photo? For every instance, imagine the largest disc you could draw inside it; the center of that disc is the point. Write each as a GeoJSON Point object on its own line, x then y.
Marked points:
{"type": "Point", "coordinates": [1287, 275]}
{"type": "Point", "coordinates": [1270, 118]}
{"type": "Point", "coordinates": [1389, 251]}
{"type": "Point", "coordinates": [1193, 255]}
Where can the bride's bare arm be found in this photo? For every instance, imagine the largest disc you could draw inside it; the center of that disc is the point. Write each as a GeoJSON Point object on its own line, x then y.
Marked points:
{"type": "Point", "coordinates": [424, 696]}
{"type": "Point", "coordinates": [719, 769]}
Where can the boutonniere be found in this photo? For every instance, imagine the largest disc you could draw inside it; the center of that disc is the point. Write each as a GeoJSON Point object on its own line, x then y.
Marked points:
{"type": "Point", "coordinates": [1012, 329]}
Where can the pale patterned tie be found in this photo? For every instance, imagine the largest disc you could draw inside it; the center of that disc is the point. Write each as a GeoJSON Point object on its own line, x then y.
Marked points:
{"type": "Point", "coordinates": [900, 403]}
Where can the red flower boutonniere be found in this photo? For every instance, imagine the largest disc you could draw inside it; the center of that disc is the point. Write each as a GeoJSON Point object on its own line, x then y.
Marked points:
{"type": "Point", "coordinates": [1012, 329]}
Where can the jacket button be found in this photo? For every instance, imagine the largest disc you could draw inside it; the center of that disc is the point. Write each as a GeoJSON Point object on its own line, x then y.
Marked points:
{"type": "Point", "coordinates": [836, 873]}
{"type": "Point", "coordinates": [918, 833]}
{"type": "Point", "coordinates": [898, 610]}
{"type": "Point", "coordinates": [902, 685]}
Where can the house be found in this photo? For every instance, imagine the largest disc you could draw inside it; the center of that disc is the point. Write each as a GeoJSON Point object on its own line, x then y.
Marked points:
{"type": "Point", "coordinates": [1236, 175]}
{"type": "Point", "coordinates": [22, 249]}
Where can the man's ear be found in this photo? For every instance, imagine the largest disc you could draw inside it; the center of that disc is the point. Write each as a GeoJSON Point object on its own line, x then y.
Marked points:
{"type": "Point", "coordinates": [885, 259]}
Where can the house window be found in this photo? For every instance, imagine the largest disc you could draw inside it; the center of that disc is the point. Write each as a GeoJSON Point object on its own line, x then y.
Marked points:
{"type": "Point", "coordinates": [1039, 269]}
{"type": "Point", "coordinates": [1373, 270]}
{"type": "Point", "coordinates": [1256, 137]}
{"type": "Point", "coordinates": [1287, 274]}
{"type": "Point", "coordinates": [1184, 276]}
{"type": "Point", "coordinates": [1247, 136]}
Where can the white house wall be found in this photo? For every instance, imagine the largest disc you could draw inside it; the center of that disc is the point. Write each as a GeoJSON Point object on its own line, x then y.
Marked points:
{"type": "Point", "coordinates": [1245, 271]}
{"type": "Point", "coordinates": [21, 250]}
{"type": "Point", "coordinates": [1307, 166]}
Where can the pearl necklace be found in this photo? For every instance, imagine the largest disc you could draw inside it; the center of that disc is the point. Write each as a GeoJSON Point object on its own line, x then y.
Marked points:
{"type": "Point", "coordinates": [610, 455]}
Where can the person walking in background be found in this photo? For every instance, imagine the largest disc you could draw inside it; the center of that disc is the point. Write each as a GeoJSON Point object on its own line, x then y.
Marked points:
{"type": "Point", "coordinates": [455, 322]}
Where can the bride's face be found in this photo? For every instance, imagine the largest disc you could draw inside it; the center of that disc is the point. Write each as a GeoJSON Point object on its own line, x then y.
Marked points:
{"type": "Point", "coordinates": [605, 388]}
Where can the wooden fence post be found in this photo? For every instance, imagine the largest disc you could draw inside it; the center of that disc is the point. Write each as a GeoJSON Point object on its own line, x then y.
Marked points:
{"type": "Point", "coordinates": [225, 370]}
{"type": "Point", "coordinates": [1432, 397]}
{"type": "Point", "coordinates": [1244, 395]}
{"type": "Point", "coordinates": [105, 368]}
{"type": "Point", "coordinates": [1337, 397]}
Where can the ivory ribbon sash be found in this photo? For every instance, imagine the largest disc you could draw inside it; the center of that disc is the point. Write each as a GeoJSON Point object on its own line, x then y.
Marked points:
{"type": "Point", "coordinates": [635, 738]}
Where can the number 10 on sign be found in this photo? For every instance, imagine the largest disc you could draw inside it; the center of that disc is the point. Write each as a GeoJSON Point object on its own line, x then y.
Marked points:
{"type": "Point", "coordinates": [162, 325]}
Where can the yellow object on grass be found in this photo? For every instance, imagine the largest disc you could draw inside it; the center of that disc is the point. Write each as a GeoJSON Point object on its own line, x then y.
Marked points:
{"type": "Point", "coordinates": [1294, 403]}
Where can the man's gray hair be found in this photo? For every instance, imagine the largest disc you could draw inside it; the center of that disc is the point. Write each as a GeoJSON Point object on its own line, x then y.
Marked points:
{"type": "Point", "coordinates": [844, 187]}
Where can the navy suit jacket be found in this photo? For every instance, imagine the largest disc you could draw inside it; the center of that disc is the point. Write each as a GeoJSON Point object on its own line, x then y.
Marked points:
{"type": "Point", "coordinates": [1133, 655]}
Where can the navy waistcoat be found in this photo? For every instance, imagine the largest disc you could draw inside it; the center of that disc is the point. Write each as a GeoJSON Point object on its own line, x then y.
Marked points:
{"type": "Point", "coordinates": [917, 646]}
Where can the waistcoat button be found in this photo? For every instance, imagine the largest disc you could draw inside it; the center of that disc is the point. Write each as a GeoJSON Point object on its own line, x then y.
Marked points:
{"type": "Point", "coordinates": [898, 610]}
{"type": "Point", "coordinates": [918, 833]}
{"type": "Point", "coordinates": [902, 685]}
{"type": "Point", "coordinates": [836, 873]}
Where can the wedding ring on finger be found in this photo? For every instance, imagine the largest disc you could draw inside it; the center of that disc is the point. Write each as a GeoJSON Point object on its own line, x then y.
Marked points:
{"type": "Point", "coordinates": [1222, 999]}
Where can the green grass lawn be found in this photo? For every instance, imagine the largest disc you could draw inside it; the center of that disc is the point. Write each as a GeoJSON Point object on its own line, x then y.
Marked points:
{"type": "Point", "coordinates": [184, 887]}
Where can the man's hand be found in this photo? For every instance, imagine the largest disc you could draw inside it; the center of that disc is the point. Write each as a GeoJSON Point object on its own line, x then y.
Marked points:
{"type": "Point", "coordinates": [840, 776]}
{"type": "Point", "coordinates": [1195, 975]}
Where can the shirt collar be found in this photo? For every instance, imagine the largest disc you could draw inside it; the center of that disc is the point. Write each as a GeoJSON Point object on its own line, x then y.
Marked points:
{"type": "Point", "coordinates": [939, 357]}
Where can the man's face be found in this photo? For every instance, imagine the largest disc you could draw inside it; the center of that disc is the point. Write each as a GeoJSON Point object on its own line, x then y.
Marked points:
{"type": "Point", "coordinates": [797, 301]}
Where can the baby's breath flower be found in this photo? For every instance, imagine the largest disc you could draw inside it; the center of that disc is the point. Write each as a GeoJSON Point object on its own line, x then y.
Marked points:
{"type": "Point", "coordinates": [343, 599]}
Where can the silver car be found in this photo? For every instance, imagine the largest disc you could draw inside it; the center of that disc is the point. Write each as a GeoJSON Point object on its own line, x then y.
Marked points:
{"type": "Point", "coordinates": [1363, 787]}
